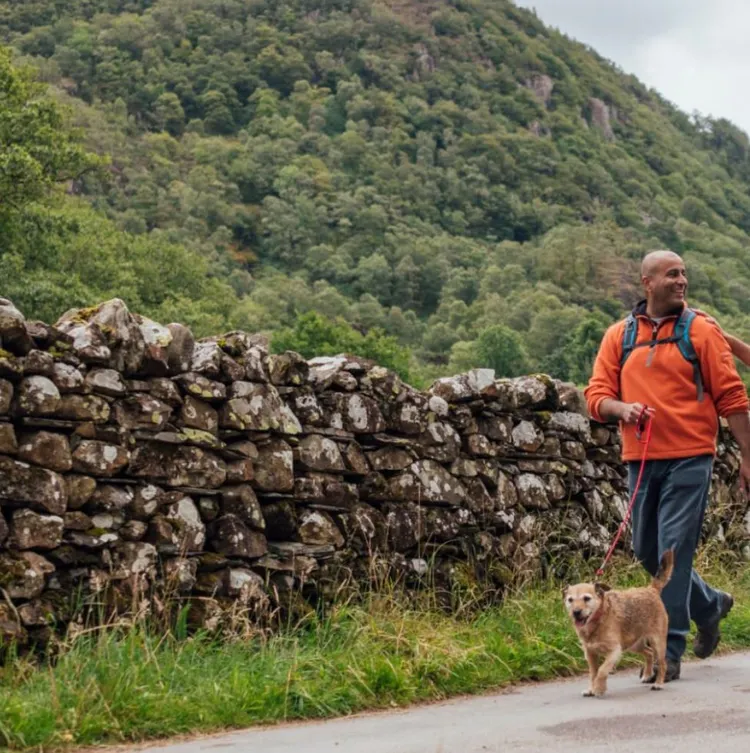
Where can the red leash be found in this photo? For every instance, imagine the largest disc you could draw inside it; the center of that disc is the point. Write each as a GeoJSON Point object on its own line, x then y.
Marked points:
{"type": "Point", "coordinates": [626, 519]}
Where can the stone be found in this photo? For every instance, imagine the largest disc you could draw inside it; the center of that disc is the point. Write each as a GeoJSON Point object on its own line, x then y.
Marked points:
{"type": "Point", "coordinates": [506, 495]}
{"type": "Point", "coordinates": [145, 501]}
{"type": "Point", "coordinates": [77, 521]}
{"type": "Point", "coordinates": [389, 459]}
{"type": "Point", "coordinates": [463, 387]}
{"type": "Point", "coordinates": [165, 390]}
{"type": "Point", "coordinates": [555, 488]}
{"type": "Point", "coordinates": [197, 414]}
{"type": "Point", "coordinates": [99, 458]}
{"type": "Point", "coordinates": [46, 449]}
{"type": "Point", "coordinates": [157, 338]}
{"type": "Point", "coordinates": [281, 521]}
{"type": "Point", "coordinates": [4, 529]}
{"type": "Point", "coordinates": [79, 490]}
{"type": "Point", "coordinates": [364, 528]}
{"type": "Point", "coordinates": [497, 428]}
{"type": "Point", "coordinates": [199, 386]}
{"type": "Point", "coordinates": [534, 392]}
{"type": "Point", "coordinates": [133, 530]}
{"type": "Point", "coordinates": [181, 574]}
{"type": "Point", "coordinates": [601, 118]}
{"type": "Point", "coordinates": [39, 363]}
{"type": "Point", "coordinates": [317, 528]}
{"type": "Point", "coordinates": [180, 350]}
{"type": "Point", "coordinates": [532, 493]}
{"type": "Point", "coordinates": [110, 498]}
{"type": "Point", "coordinates": [187, 523]}
{"type": "Point", "coordinates": [404, 526]}
{"type": "Point", "coordinates": [427, 481]}
{"type": "Point", "coordinates": [29, 530]}
{"type": "Point", "coordinates": [13, 334]}
{"type": "Point", "coordinates": [409, 417]}
{"type": "Point", "coordinates": [317, 453]}
{"type": "Point", "coordinates": [571, 423]}
{"type": "Point", "coordinates": [8, 442]}
{"type": "Point", "coordinates": [240, 471]}
{"type": "Point", "coordinates": [134, 558]}
{"type": "Point", "coordinates": [231, 537]}
{"type": "Point", "coordinates": [257, 407]}
{"type": "Point", "coordinates": [105, 382]}
{"type": "Point", "coordinates": [274, 471]}
{"type": "Point", "coordinates": [206, 359]}
{"type": "Point", "coordinates": [287, 368]}
{"type": "Point", "coordinates": [361, 414]}
{"type": "Point", "coordinates": [84, 408]}
{"type": "Point", "coordinates": [142, 411]}
{"type": "Point", "coordinates": [245, 448]}
{"type": "Point", "coordinates": [24, 575]}
{"type": "Point", "coordinates": [6, 396]}
{"type": "Point", "coordinates": [68, 378]}
{"type": "Point", "coordinates": [176, 465]}
{"type": "Point", "coordinates": [106, 334]}
{"type": "Point", "coordinates": [440, 442]}
{"type": "Point", "coordinates": [11, 367]}
{"type": "Point", "coordinates": [37, 488]}
{"type": "Point", "coordinates": [242, 502]}
{"type": "Point", "coordinates": [37, 396]}
{"type": "Point", "coordinates": [307, 409]}
{"type": "Point", "coordinates": [355, 460]}
{"type": "Point", "coordinates": [478, 446]}
{"type": "Point", "coordinates": [527, 437]}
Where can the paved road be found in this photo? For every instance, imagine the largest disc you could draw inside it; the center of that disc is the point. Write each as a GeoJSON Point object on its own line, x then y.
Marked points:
{"type": "Point", "coordinates": [708, 710]}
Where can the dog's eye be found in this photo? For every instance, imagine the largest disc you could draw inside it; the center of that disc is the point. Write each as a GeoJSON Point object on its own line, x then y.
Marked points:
{"type": "Point", "coordinates": [587, 598]}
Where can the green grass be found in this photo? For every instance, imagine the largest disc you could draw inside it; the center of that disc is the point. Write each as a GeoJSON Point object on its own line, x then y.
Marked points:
{"type": "Point", "coordinates": [116, 686]}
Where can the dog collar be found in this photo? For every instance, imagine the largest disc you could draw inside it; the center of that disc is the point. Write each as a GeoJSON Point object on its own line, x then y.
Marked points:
{"type": "Point", "coordinates": [596, 616]}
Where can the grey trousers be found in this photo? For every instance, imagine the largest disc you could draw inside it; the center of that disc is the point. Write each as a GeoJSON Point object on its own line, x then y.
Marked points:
{"type": "Point", "coordinates": [668, 514]}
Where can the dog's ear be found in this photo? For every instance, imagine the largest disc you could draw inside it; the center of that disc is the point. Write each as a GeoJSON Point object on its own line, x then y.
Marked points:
{"type": "Point", "coordinates": [564, 590]}
{"type": "Point", "coordinates": [601, 589]}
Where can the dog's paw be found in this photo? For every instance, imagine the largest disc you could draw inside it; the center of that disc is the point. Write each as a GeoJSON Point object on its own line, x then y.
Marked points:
{"type": "Point", "coordinates": [657, 687]}
{"type": "Point", "coordinates": [588, 694]}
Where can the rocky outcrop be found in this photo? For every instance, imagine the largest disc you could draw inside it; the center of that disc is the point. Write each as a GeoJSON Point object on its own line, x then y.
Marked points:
{"type": "Point", "coordinates": [135, 459]}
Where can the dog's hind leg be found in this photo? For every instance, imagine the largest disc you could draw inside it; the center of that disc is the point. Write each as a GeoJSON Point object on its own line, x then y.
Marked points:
{"type": "Point", "coordinates": [648, 668]}
{"type": "Point", "coordinates": [660, 650]}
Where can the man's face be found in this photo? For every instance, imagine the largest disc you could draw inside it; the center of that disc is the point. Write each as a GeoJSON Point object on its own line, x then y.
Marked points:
{"type": "Point", "coordinates": [667, 283]}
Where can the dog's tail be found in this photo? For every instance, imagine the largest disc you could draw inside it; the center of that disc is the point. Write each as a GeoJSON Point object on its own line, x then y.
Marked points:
{"type": "Point", "coordinates": [664, 573]}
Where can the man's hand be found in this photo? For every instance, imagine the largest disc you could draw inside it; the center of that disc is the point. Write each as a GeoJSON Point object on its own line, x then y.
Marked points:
{"type": "Point", "coordinates": [631, 413]}
{"type": "Point", "coordinates": [628, 413]}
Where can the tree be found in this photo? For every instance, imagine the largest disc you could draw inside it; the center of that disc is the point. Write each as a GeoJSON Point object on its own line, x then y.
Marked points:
{"type": "Point", "coordinates": [36, 151]}
{"type": "Point", "coordinates": [501, 349]}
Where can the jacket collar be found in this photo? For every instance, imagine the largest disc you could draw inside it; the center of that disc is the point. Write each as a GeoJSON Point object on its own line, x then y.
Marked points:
{"type": "Point", "coordinates": [640, 309]}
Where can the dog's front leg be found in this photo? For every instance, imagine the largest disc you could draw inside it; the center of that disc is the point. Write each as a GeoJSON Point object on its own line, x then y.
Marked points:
{"type": "Point", "coordinates": [593, 660]}
{"type": "Point", "coordinates": [609, 663]}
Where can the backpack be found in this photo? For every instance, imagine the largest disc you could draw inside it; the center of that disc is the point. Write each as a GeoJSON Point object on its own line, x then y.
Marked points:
{"type": "Point", "coordinates": [681, 336]}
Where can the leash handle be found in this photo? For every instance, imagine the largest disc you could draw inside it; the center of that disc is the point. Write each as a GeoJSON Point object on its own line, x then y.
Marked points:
{"type": "Point", "coordinates": [638, 433]}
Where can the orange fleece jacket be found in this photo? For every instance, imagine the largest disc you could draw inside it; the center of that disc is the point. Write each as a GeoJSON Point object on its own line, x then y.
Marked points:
{"type": "Point", "coordinates": [682, 427]}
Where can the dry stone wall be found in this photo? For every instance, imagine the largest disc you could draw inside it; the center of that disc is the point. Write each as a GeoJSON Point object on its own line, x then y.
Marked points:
{"type": "Point", "coordinates": [136, 461]}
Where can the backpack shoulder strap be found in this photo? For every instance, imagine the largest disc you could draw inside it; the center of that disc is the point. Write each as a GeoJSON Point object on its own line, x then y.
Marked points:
{"type": "Point", "coordinates": [685, 344]}
{"type": "Point", "coordinates": [629, 336]}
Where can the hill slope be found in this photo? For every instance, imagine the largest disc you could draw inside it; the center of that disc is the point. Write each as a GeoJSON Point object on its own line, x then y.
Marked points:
{"type": "Point", "coordinates": [455, 173]}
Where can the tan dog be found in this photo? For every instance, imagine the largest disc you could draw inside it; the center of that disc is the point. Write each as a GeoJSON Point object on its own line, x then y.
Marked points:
{"type": "Point", "coordinates": [609, 623]}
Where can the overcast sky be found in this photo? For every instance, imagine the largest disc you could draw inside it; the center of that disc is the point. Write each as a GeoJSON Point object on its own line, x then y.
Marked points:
{"type": "Point", "coordinates": [694, 52]}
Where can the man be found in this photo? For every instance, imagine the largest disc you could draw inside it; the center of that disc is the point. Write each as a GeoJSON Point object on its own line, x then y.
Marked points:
{"type": "Point", "coordinates": [683, 402]}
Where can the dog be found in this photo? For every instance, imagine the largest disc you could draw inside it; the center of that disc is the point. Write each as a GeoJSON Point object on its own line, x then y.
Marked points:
{"type": "Point", "coordinates": [610, 622]}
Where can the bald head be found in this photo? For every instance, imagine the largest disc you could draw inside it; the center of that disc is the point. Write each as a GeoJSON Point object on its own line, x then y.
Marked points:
{"type": "Point", "coordinates": [665, 282]}
{"type": "Point", "coordinates": [654, 262]}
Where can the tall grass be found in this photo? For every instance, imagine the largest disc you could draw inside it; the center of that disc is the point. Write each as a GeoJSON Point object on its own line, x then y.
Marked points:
{"type": "Point", "coordinates": [122, 684]}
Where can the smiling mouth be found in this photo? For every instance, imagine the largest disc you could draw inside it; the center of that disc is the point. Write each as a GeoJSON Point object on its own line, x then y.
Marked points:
{"type": "Point", "coordinates": [581, 621]}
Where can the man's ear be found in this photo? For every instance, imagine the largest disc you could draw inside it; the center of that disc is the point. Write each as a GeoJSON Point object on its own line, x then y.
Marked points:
{"type": "Point", "coordinates": [601, 589]}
